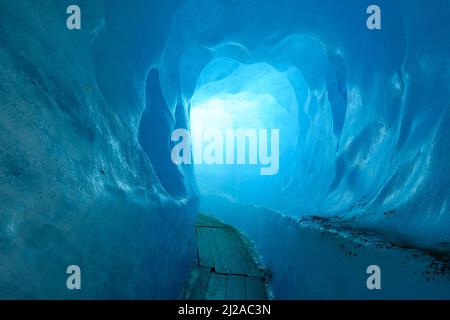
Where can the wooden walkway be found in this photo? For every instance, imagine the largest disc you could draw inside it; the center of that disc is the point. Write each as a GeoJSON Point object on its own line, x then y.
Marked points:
{"type": "Point", "coordinates": [226, 270]}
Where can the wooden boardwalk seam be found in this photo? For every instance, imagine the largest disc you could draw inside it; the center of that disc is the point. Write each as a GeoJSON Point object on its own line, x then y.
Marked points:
{"type": "Point", "coordinates": [226, 269]}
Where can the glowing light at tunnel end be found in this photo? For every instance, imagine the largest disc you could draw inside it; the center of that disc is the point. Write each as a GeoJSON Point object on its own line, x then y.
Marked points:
{"type": "Point", "coordinates": [224, 145]}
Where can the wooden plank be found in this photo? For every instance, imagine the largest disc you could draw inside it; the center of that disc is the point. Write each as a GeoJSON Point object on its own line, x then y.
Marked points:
{"type": "Point", "coordinates": [216, 287]}
{"type": "Point", "coordinates": [231, 249]}
{"type": "Point", "coordinates": [226, 268]}
{"type": "Point", "coordinates": [202, 221]}
{"type": "Point", "coordinates": [226, 237]}
{"type": "Point", "coordinates": [206, 221]}
{"type": "Point", "coordinates": [204, 247]}
{"type": "Point", "coordinates": [251, 268]}
{"type": "Point", "coordinates": [219, 244]}
{"type": "Point", "coordinates": [239, 264]}
{"type": "Point", "coordinates": [227, 253]}
{"type": "Point", "coordinates": [236, 254]}
{"type": "Point", "coordinates": [235, 288]}
{"type": "Point", "coordinates": [199, 289]}
{"type": "Point", "coordinates": [254, 289]}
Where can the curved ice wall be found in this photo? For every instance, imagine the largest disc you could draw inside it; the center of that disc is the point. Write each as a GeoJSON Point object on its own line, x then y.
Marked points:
{"type": "Point", "coordinates": [86, 119]}
{"type": "Point", "coordinates": [369, 142]}
{"type": "Point", "coordinates": [77, 182]}
{"type": "Point", "coordinates": [370, 153]}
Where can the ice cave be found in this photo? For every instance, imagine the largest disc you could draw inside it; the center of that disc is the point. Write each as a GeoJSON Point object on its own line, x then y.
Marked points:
{"type": "Point", "coordinates": [327, 145]}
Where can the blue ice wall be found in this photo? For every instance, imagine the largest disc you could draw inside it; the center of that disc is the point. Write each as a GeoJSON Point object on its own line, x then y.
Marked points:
{"type": "Point", "coordinates": [370, 106]}
{"type": "Point", "coordinates": [371, 150]}
{"type": "Point", "coordinates": [76, 184]}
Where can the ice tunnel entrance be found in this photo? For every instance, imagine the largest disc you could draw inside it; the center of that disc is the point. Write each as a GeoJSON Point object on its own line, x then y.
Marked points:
{"type": "Point", "coordinates": [244, 131]}
{"type": "Point", "coordinates": [279, 85]}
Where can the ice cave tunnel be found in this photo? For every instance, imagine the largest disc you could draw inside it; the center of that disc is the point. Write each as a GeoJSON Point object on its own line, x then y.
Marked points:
{"type": "Point", "coordinates": [346, 159]}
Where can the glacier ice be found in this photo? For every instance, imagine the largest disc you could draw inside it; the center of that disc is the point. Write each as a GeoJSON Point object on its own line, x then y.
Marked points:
{"type": "Point", "coordinates": [370, 127]}
{"type": "Point", "coordinates": [76, 184]}
{"type": "Point", "coordinates": [86, 176]}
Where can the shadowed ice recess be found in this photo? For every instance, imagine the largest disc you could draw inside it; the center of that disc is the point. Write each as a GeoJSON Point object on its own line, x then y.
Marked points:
{"type": "Point", "coordinates": [86, 118]}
